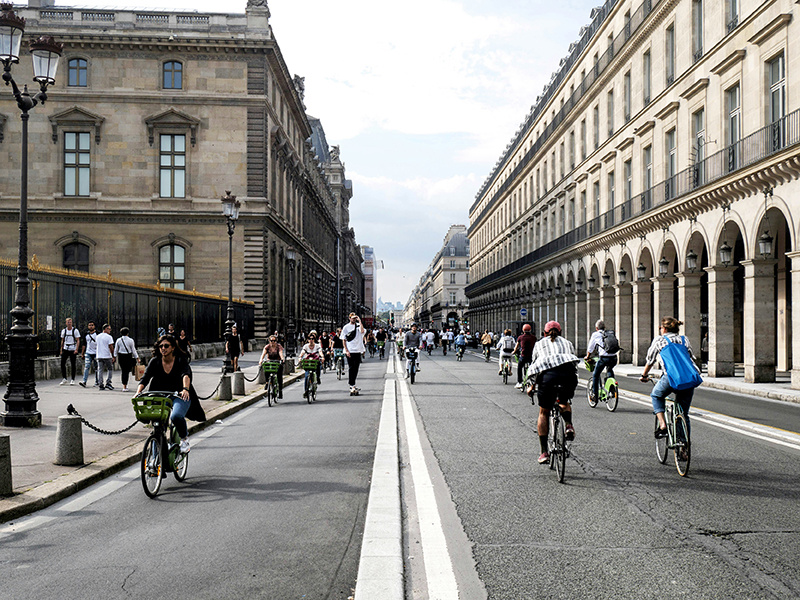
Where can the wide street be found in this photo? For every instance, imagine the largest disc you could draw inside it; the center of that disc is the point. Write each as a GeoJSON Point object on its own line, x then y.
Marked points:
{"type": "Point", "coordinates": [274, 503]}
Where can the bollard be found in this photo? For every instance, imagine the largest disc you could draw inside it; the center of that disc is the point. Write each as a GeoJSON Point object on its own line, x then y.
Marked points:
{"type": "Point", "coordinates": [6, 489]}
{"type": "Point", "coordinates": [238, 383]}
{"type": "Point", "coordinates": [69, 441]}
{"type": "Point", "coordinates": [262, 377]}
{"type": "Point", "coordinates": [225, 388]}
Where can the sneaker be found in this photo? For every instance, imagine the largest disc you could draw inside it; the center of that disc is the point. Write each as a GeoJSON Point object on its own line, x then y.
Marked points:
{"type": "Point", "coordinates": [124, 389]}
{"type": "Point", "coordinates": [569, 433]}
{"type": "Point", "coordinates": [184, 446]}
{"type": "Point", "coordinates": [102, 387]}
{"type": "Point", "coordinates": [544, 457]}
{"type": "Point", "coordinates": [661, 433]}
{"type": "Point", "coordinates": [305, 394]}
{"type": "Point", "coordinates": [109, 387]}
{"type": "Point", "coordinates": [63, 381]}
{"type": "Point", "coordinates": [82, 384]}
{"type": "Point", "coordinates": [72, 382]}
{"type": "Point", "coordinates": [518, 386]}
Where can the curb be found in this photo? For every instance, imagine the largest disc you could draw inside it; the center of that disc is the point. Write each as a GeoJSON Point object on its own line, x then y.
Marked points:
{"type": "Point", "coordinates": [46, 494]}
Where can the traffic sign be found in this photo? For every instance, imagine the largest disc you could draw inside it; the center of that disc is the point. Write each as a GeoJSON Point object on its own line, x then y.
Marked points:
{"type": "Point", "coordinates": [523, 312]}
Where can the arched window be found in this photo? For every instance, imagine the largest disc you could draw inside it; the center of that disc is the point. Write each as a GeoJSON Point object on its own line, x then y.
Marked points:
{"type": "Point", "coordinates": [173, 75]}
{"type": "Point", "coordinates": [77, 71]}
{"type": "Point", "coordinates": [76, 257]}
{"type": "Point", "coordinates": [172, 266]}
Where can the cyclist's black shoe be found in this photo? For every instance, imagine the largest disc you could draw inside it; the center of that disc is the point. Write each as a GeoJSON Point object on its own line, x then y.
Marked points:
{"type": "Point", "coordinates": [661, 433]}
{"type": "Point", "coordinates": [569, 433]}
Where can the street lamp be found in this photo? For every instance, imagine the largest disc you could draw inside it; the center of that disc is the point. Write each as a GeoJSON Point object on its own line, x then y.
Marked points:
{"type": "Point", "coordinates": [622, 274]}
{"type": "Point", "coordinates": [291, 326]}
{"type": "Point", "coordinates": [691, 260]}
{"type": "Point", "coordinates": [21, 397]}
{"type": "Point", "coordinates": [641, 272]}
{"type": "Point", "coordinates": [579, 285]}
{"type": "Point", "coordinates": [663, 267]}
{"type": "Point", "coordinates": [606, 279]}
{"type": "Point", "coordinates": [230, 208]}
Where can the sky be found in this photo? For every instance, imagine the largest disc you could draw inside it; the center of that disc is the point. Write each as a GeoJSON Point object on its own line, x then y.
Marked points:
{"type": "Point", "coordinates": [421, 96]}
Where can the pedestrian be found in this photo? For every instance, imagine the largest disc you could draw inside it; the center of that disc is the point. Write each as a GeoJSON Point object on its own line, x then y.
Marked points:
{"type": "Point", "coordinates": [353, 337]}
{"type": "Point", "coordinates": [171, 330]}
{"type": "Point", "coordinates": [89, 355]}
{"type": "Point", "coordinates": [704, 349]}
{"type": "Point", "coordinates": [233, 347]}
{"type": "Point", "coordinates": [125, 351]}
{"type": "Point", "coordinates": [68, 349]}
{"type": "Point", "coordinates": [105, 357]}
{"type": "Point", "coordinates": [185, 345]}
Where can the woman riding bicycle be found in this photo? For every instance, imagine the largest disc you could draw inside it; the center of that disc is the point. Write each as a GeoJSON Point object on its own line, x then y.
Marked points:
{"type": "Point", "coordinates": [669, 329]}
{"type": "Point", "coordinates": [169, 371]}
{"type": "Point", "coordinates": [274, 351]}
{"type": "Point", "coordinates": [311, 351]}
{"type": "Point", "coordinates": [553, 364]}
{"type": "Point", "coordinates": [506, 347]}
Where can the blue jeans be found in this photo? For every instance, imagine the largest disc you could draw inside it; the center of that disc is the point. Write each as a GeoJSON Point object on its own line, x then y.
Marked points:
{"type": "Point", "coordinates": [603, 362]}
{"type": "Point", "coordinates": [661, 390]}
{"type": "Point", "coordinates": [89, 360]}
{"type": "Point", "coordinates": [178, 416]}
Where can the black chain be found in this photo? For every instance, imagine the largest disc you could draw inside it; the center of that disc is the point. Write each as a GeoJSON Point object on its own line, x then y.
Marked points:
{"type": "Point", "coordinates": [215, 390]}
{"type": "Point", "coordinates": [71, 410]}
{"type": "Point", "coordinates": [253, 379]}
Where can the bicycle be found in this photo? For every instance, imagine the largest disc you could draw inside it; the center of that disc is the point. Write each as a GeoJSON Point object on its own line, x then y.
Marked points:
{"type": "Point", "coordinates": [487, 352]}
{"type": "Point", "coordinates": [677, 439]}
{"type": "Point", "coordinates": [271, 368]}
{"type": "Point", "coordinates": [505, 367]}
{"type": "Point", "coordinates": [309, 365]}
{"type": "Point", "coordinates": [371, 346]}
{"type": "Point", "coordinates": [607, 391]}
{"type": "Point", "coordinates": [339, 359]}
{"type": "Point", "coordinates": [381, 350]}
{"type": "Point", "coordinates": [459, 353]}
{"type": "Point", "coordinates": [411, 363]}
{"type": "Point", "coordinates": [557, 443]}
{"type": "Point", "coordinates": [161, 453]}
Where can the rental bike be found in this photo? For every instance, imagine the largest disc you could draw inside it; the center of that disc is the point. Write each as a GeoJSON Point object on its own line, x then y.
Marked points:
{"type": "Point", "coordinates": [677, 439]}
{"type": "Point", "coordinates": [161, 453]}
{"type": "Point", "coordinates": [309, 365]}
{"type": "Point", "coordinates": [371, 348]}
{"type": "Point", "coordinates": [338, 355]}
{"type": "Point", "coordinates": [557, 443]}
{"type": "Point", "coordinates": [607, 391]}
{"type": "Point", "coordinates": [505, 368]}
{"type": "Point", "coordinates": [411, 363]}
{"type": "Point", "coordinates": [459, 353]}
{"type": "Point", "coordinates": [381, 350]}
{"type": "Point", "coordinates": [271, 368]}
{"type": "Point", "coordinates": [487, 353]}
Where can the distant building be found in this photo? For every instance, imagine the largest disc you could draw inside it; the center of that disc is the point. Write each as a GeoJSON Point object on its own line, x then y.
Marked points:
{"type": "Point", "coordinates": [369, 268]}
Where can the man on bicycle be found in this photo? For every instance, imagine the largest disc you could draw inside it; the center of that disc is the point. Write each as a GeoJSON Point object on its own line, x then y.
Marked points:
{"type": "Point", "coordinates": [607, 357]}
{"type": "Point", "coordinates": [447, 339]}
{"type": "Point", "coordinates": [412, 339]}
{"type": "Point", "coordinates": [506, 347]}
{"type": "Point", "coordinates": [524, 348]}
{"type": "Point", "coordinates": [461, 341]}
{"type": "Point", "coordinates": [553, 367]}
{"type": "Point", "coordinates": [486, 341]}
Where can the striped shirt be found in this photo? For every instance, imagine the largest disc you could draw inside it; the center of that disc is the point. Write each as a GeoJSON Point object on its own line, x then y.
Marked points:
{"type": "Point", "coordinates": [548, 354]}
{"type": "Point", "coordinates": [654, 352]}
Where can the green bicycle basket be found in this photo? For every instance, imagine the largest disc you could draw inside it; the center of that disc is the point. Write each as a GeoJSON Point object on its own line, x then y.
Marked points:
{"type": "Point", "coordinates": [309, 364]}
{"type": "Point", "coordinates": [271, 366]}
{"type": "Point", "coordinates": [152, 408]}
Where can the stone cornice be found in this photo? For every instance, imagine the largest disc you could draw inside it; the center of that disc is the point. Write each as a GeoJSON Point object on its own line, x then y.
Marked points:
{"type": "Point", "coordinates": [732, 59]}
{"type": "Point", "coordinates": [594, 168]}
{"type": "Point", "coordinates": [771, 29]}
{"type": "Point", "coordinates": [667, 110]}
{"type": "Point", "coordinates": [644, 127]}
{"type": "Point", "coordinates": [625, 144]}
{"type": "Point", "coordinates": [696, 87]}
{"type": "Point", "coordinates": [608, 157]}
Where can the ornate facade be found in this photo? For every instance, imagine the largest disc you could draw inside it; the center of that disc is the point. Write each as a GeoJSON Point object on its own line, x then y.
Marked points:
{"type": "Point", "coordinates": [647, 180]}
{"type": "Point", "coordinates": [154, 116]}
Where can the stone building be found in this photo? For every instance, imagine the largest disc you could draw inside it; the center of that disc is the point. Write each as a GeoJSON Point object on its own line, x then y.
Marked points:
{"type": "Point", "coordinates": [647, 180]}
{"type": "Point", "coordinates": [154, 115]}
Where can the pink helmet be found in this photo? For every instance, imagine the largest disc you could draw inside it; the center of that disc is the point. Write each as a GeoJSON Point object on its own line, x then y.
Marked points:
{"type": "Point", "coordinates": [552, 325]}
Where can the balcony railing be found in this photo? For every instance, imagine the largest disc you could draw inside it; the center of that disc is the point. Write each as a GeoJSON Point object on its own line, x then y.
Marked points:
{"type": "Point", "coordinates": [747, 151]}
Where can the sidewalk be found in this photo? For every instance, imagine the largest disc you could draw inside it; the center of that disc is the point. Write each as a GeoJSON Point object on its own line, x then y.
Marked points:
{"type": "Point", "coordinates": [38, 482]}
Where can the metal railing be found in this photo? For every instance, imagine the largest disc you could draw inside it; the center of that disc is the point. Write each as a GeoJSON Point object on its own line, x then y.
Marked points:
{"type": "Point", "coordinates": [747, 151]}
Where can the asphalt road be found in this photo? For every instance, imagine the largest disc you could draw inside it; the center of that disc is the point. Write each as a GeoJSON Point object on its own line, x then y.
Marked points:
{"type": "Point", "coordinates": [622, 525]}
{"type": "Point", "coordinates": [273, 507]}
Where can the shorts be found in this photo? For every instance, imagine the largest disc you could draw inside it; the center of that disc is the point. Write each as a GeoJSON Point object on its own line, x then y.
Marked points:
{"type": "Point", "coordinates": [557, 384]}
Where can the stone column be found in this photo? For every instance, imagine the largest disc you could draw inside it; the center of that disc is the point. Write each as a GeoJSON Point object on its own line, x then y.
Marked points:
{"type": "Point", "coordinates": [581, 336]}
{"type": "Point", "coordinates": [795, 334]}
{"type": "Point", "coordinates": [663, 301]}
{"type": "Point", "coordinates": [720, 323]}
{"type": "Point", "coordinates": [623, 319]}
{"type": "Point", "coordinates": [608, 306]}
{"type": "Point", "coordinates": [689, 308]}
{"type": "Point", "coordinates": [570, 329]}
{"type": "Point", "coordinates": [642, 316]}
{"type": "Point", "coordinates": [592, 310]}
{"type": "Point", "coordinates": [784, 324]}
{"type": "Point", "coordinates": [759, 320]}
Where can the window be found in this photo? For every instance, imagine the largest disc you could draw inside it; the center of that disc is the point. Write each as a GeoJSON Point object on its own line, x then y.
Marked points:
{"type": "Point", "coordinates": [596, 198]}
{"type": "Point", "coordinates": [628, 180]}
{"type": "Point", "coordinates": [646, 74]}
{"type": "Point", "coordinates": [583, 140]}
{"type": "Point", "coordinates": [596, 131]}
{"type": "Point", "coordinates": [610, 113]}
{"type": "Point", "coordinates": [571, 215]}
{"type": "Point", "coordinates": [733, 130]}
{"type": "Point", "coordinates": [76, 257]}
{"type": "Point", "coordinates": [731, 14]}
{"type": "Point", "coordinates": [173, 75]}
{"type": "Point", "coordinates": [671, 163]}
{"type": "Point", "coordinates": [452, 298]}
{"type": "Point", "coordinates": [452, 251]}
{"type": "Point", "coordinates": [583, 206]}
{"type": "Point", "coordinates": [173, 166]}
{"type": "Point", "coordinates": [669, 51]}
{"type": "Point", "coordinates": [572, 149]}
{"type": "Point", "coordinates": [452, 264]}
{"type": "Point", "coordinates": [563, 162]}
{"type": "Point", "coordinates": [697, 30]}
{"type": "Point", "coordinates": [172, 266]}
{"type": "Point", "coordinates": [452, 278]}
{"type": "Point", "coordinates": [611, 190]}
{"type": "Point", "coordinates": [77, 71]}
{"type": "Point", "coordinates": [647, 170]}
{"type": "Point", "coordinates": [777, 99]}
{"type": "Point", "coordinates": [627, 98]}
{"type": "Point", "coordinates": [699, 132]}
{"type": "Point", "coordinates": [77, 159]}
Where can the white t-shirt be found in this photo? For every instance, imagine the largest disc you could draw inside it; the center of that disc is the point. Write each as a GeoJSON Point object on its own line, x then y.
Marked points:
{"type": "Point", "coordinates": [91, 342]}
{"type": "Point", "coordinates": [357, 343]}
{"type": "Point", "coordinates": [70, 337]}
{"type": "Point", "coordinates": [449, 336]}
{"type": "Point", "coordinates": [430, 337]}
{"type": "Point", "coordinates": [104, 340]}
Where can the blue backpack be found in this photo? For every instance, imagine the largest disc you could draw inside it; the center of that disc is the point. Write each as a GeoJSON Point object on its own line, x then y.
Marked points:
{"type": "Point", "coordinates": [678, 364]}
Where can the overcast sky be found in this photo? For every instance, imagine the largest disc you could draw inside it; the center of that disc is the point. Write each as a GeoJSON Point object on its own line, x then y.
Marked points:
{"type": "Point", "coordinates": [422, 97]}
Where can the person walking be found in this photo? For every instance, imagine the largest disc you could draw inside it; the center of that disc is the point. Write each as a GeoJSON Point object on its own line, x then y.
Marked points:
{"type": "Point", "coordinates": [70, 338]}
{"type": "Point", "coordinates": [105, 357]}
{"type": "Point", "coordinates": [89, 355]}
{"type": "Point", "coordinates": [125, 351]}
{"type": "Point", "coordinates": [185, 344]}
{"type": "Point", "coordinates": [234, 348]}
{"type": "Point", "coordinates": [353, 337]}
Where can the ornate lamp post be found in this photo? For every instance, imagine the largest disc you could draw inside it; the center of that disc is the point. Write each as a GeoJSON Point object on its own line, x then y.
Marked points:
{"type": "Point", "coordinates": [291, 334]}
{"type": "Point", "coordinates": [230, 208]}
{"type": "Point", "coordinates": [21, 397]}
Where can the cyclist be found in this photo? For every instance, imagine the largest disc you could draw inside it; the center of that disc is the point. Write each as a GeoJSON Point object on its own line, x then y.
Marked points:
{"type": "Point", "coordinates": [381, 337]}
{"type": "Point", "coordinates": [461, 341]}
{"type": "Point", "coordinates": [274, 351]}
{"type": "Point", "coordinates": [325, 347]}
{"type": "Point", "coordinates": [553, 365]}
{"type": "Point", "coordinates": [399, 340]}
{"type": "Point", "coordinates": [337, 345]}
{"type": "Point", "coordinates": [447, 339]}
{"type": "Point", "coordinates": [430, 340]}
{"type": "Point", "coordinates": [524, 348]}
{"type": "Point", "coordinates": [486, 341]}
{"type": "Point", "coordinates": [311, 351]}
{"type": "Point", "coordinates": [412, 339]}
{"type": "Point", "coordinates": [606, 360]}
{"type": "Point", "coordinates": [669, 334]}
{"type": "Point", "coordinates": [370, 339]}
{"type": "Point", "coordinates": [169, 371]}
{"type": "Point", "coordinates": [506, 346]}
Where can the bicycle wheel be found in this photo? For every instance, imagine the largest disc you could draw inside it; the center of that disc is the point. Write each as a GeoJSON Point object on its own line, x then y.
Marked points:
{"type": "Point", "coordinates": [413, 373]}
{"type": "Point", "coordinates": [612, 398]}
{"type": "Point", "coordinates": [683, 445]}
{"type": "Point", "coordinates": [152, 466]}
{"type": "Point", "coordinates": [181, 465]}
{"type": "Point", "coordinates": [505, 375]}
{"type": "Point", "coordinates": [270, 391]}
{"type": "Point", "coordinates": [339, 369]}
{"type": "Point", "coordinates": [559, 453]}
{"type": "Point", "coordinates": [589, 398]}
{"type": "Point", "coordinates": [661, 446]}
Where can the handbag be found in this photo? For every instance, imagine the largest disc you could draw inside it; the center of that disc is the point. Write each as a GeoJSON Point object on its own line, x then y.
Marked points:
{"type": "Point", "coordinates": [138, 371]}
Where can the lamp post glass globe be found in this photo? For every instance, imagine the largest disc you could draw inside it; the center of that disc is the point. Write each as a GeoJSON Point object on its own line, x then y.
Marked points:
{"type": "Point", "coordinates": [11, 29]}
{"type": "Point", "coordinates": [46, 53]}
{"type": "Point", "coordinates": [725, 253]}
{"type": "Point", "coordinates": [641, 272]}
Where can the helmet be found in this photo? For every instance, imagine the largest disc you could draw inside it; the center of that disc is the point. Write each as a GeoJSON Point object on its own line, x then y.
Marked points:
{"type": "Point", "coordinates": [462, 332]}
{"type": "Point", "coordinates": [526, 327]}
{"type": "Point", "coordinates": [552, 325]}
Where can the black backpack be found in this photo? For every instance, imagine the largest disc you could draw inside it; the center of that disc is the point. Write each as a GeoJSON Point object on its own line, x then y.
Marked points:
{"type": "Point", "coordinates": [610, 341]}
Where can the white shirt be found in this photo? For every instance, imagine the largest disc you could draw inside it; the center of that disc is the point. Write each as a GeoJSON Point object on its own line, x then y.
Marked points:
{"type": "Point", "coordinates": [125, 345]}
{"type": "Point", "coordinates": [501, 345]}
{"type": "Point", "coordinates": [357, 345]}
{"type": "Point", "coordinates": [430, 337]}
{"type": "Point", "coordinates": [70, 337]}
{"type": "Point", "coordinates": [91, 342]}
{"type": "Point", "coordinates": [104, 340]}
{"type": "Point", "coordinates": [449, 336]}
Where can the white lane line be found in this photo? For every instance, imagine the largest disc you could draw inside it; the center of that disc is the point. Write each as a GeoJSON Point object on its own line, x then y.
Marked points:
{"type": "Point", "coordinates": [439, 571]}
{"type": "Point", "coordinates": [380, 568]}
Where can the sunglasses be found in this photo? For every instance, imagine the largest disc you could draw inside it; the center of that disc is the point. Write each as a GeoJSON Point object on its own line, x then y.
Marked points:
{"type": "Point", "coordinates": [163, 346]}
